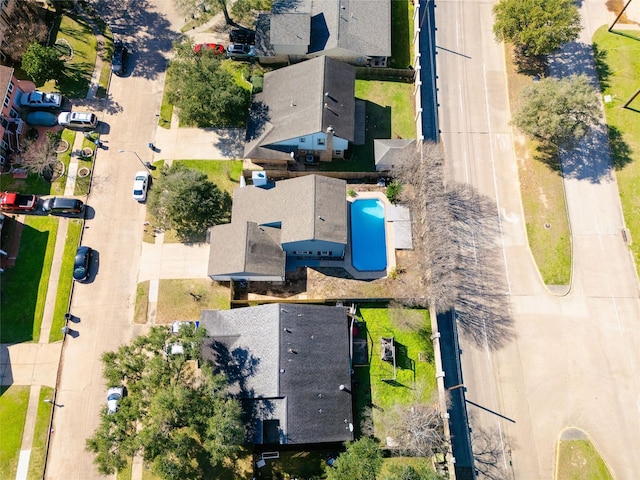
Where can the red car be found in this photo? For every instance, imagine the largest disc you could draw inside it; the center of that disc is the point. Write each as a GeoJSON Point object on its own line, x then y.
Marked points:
{"type": "Point", "coordinates": [216, 48]}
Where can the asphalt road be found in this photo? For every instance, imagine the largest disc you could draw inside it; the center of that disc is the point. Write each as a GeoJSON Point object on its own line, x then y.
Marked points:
{"type": "Point", "coordinates": [562, 362]}
{"type": "Point", "coordinates": [105, 305]}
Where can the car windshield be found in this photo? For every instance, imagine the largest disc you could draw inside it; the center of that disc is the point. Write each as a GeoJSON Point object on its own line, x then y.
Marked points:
{"type": "Point", "coordinates": [114, 396]}
{"type": "Point", "coordinates": [79, 271]}
{"type": "Point", "coordinates": [137, 192]}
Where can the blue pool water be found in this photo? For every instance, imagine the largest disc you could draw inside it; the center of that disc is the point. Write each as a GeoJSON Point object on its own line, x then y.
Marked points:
{"type": "Point", "coordinates": [368, 242]}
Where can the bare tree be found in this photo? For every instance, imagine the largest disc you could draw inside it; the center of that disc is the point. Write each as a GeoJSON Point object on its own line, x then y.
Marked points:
{"type": "Point", "coordinates": [422, 172]}
{"type": "Point", "coordinates": [417, 429]}
{"type": "Point", "coordinates": [25, 24]}
{"type": "Point", "coordinates": [40, 156]}
{"type": "Point", "coordinates": [456, 232]}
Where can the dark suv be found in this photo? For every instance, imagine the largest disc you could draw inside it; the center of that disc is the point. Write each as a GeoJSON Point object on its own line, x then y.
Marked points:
{"type": "Point", "coordinates": [62, 206]}
{"type": "Point", "coordinates": [242, 35]}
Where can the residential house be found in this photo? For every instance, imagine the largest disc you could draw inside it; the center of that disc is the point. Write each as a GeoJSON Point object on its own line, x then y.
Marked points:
{"type": "Point", "coordinates": [11, 125]}
{"type": "Point", "coordinates": [290, 366]}
{"type": "Point", "coordinates": [306, 110]}
{"type": "Point", "coordinates": [299, 220]}
{"type": "Point", "coordinates": [354, 31]}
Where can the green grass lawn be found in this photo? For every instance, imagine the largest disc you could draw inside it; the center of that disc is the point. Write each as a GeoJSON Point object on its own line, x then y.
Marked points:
{"type": "Point", "coordinates": [28, 281]}
{"type": "Point", "coordinates": [618, 61]}
{"type": "Point", "coordinates": [142, 302]}
{"type": "Point", "coordinates": [57, 188]}
{"type": "Point", "coordinates": [381, 388]}
{"type": "Point", "coordinates": [401, 34]}
{"type": "Point", "coordinates": [34, 184]}
{"type": "Point", "coordinates": [105, 71]}
{"type": "Point", "coordinates": [184, 299]}
{"type": "Point", "coordinates": [65, 282]}
{"type": "Point", "coordinates": [390, 114]}
{"type": "Point", "coordinates": [224, 173]}
{"type": "Point", "coordinates": [13, 411]}
{"type": "Point", "coordinates": [40, 435]}
{"type": "Point", "coordinates": [76, 76]}
{"type": "Point", "coordinates": [578, 460]}
{"type": "Point", "coordinates": [543, 199]}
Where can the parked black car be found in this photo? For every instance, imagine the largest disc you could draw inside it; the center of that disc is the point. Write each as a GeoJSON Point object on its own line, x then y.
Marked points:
{"type": "Point", "coordinates": [242, 35]}
{"type": "Point", "coordinates": [81, 263]}
{"type": "Point", "coordinates": [119, 60]}
{"type": "Point", "coordinates": [62, 206]}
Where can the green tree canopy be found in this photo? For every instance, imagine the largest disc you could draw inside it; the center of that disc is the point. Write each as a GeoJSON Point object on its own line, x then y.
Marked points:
{"type": "Point", "coordinates": [179, 417]}
{"type": "Point", "coordinates": [205, 94]}
{"type": "Point", "coordinates": [185, 200]}
{"type": "Point", "coordinates": [559, 111]}
{"type": "Point", "coordinates": [362, 460]}
{"type": "Point", "coordinates": [540, 26]}
{"type": "Point", "coordinates": [41, 63]}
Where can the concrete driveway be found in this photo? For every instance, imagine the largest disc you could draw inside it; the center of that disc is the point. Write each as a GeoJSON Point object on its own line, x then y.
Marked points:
{"type": "Point", "coordinates": [562, 362]}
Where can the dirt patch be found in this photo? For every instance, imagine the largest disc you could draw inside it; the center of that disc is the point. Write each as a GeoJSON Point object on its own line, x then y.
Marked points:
{"type": "Point", "coordinates": [336, 284]}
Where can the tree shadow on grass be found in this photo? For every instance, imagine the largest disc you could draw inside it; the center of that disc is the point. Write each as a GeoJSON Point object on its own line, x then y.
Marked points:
{"type": "Point", "coordinates": [620, 150]}
{"type": "Point", "coordinates": [531, 65]}
{"type": "Point", "coordinates": [602, 67]}
{"type": "Point", "coordinates": [74, 80]}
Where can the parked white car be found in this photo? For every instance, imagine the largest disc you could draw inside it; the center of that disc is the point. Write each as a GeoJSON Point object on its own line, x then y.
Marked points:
{"type": "Point", "coordinates": [114, 395]}
{"type": "Point", "coordinates": [141, 186]}
{"type": "Point", "coordinates": [78, 120]}
{"type": "Point", "coordinates": [37, 99]}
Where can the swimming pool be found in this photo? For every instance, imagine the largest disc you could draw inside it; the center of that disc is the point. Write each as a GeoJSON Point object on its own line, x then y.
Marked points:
{"type": "Point", "coordinates": [368, 241]}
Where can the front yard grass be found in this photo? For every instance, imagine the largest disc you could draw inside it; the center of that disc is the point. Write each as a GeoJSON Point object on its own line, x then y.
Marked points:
{"type": "Point", "coordinates": [224, 173]}
{"type": "Point", "coordinates": [618, 62]}
{"type": "Point", "coordinates": [13, 412]}
{"type": "Point", "coordinates": [40, 435]}
{"type": "Point", "coordinates": [379, 388]}
{"type": "Point", "coordinates": [543, 198]}
{"type": "Point", "coordinates": [184, 299]}
{"type": "Point", "coordinates": [23, 289]}
{"type": "Point", "coordinates": [76, 77]}
{"type": "Point", "coordinates": [390, 114]}
{"type": "Point", "coordinates": [65, 281]}
{"type": "Point", "coordinates": [142, 302]}
{"type": "Point", "coordinates": [57, 188]}
{"type": "Point", "coordinates": [579, 459]}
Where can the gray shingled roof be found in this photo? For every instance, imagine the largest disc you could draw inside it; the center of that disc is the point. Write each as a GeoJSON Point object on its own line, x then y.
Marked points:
{"type": "Point", "coordinates": [299, 353]}
{"type": "Point", "coordinates": [293, 103]}
{"type": "Point", "coordinates": [308, 207]}
{"type": "Point", "coordinates": [254, 250]}
{"type": "Point", "coordinates": [292, 28]}
{"type": "Point", "coordinates": [359, 26]}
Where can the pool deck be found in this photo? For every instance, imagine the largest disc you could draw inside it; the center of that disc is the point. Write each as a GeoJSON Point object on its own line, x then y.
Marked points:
{"type": "Point", "coordinates": [346, 262]}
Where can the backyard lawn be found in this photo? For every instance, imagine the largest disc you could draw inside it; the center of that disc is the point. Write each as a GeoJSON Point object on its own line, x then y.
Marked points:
{"type": "Point", "coordinates": [618, 63]}
{"type": "Point", "coordinates": [13, 411]}
{"type": "Point", "coordinates": [380, 385]}
{"type": "Point", "coordinates": [389, 114]}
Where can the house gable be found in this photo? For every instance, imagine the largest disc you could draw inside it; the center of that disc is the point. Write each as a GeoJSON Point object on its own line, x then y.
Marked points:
{"type": "Point", "coordinates": [290, 359]}
{"type": "Point", "coordinates": [303, 217]}
{"type": "Point", "coordinates": [299, 105]}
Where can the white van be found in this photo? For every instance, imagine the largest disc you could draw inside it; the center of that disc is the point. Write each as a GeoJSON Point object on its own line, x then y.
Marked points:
{"type": "Point", "coordinates": [79, 120]}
